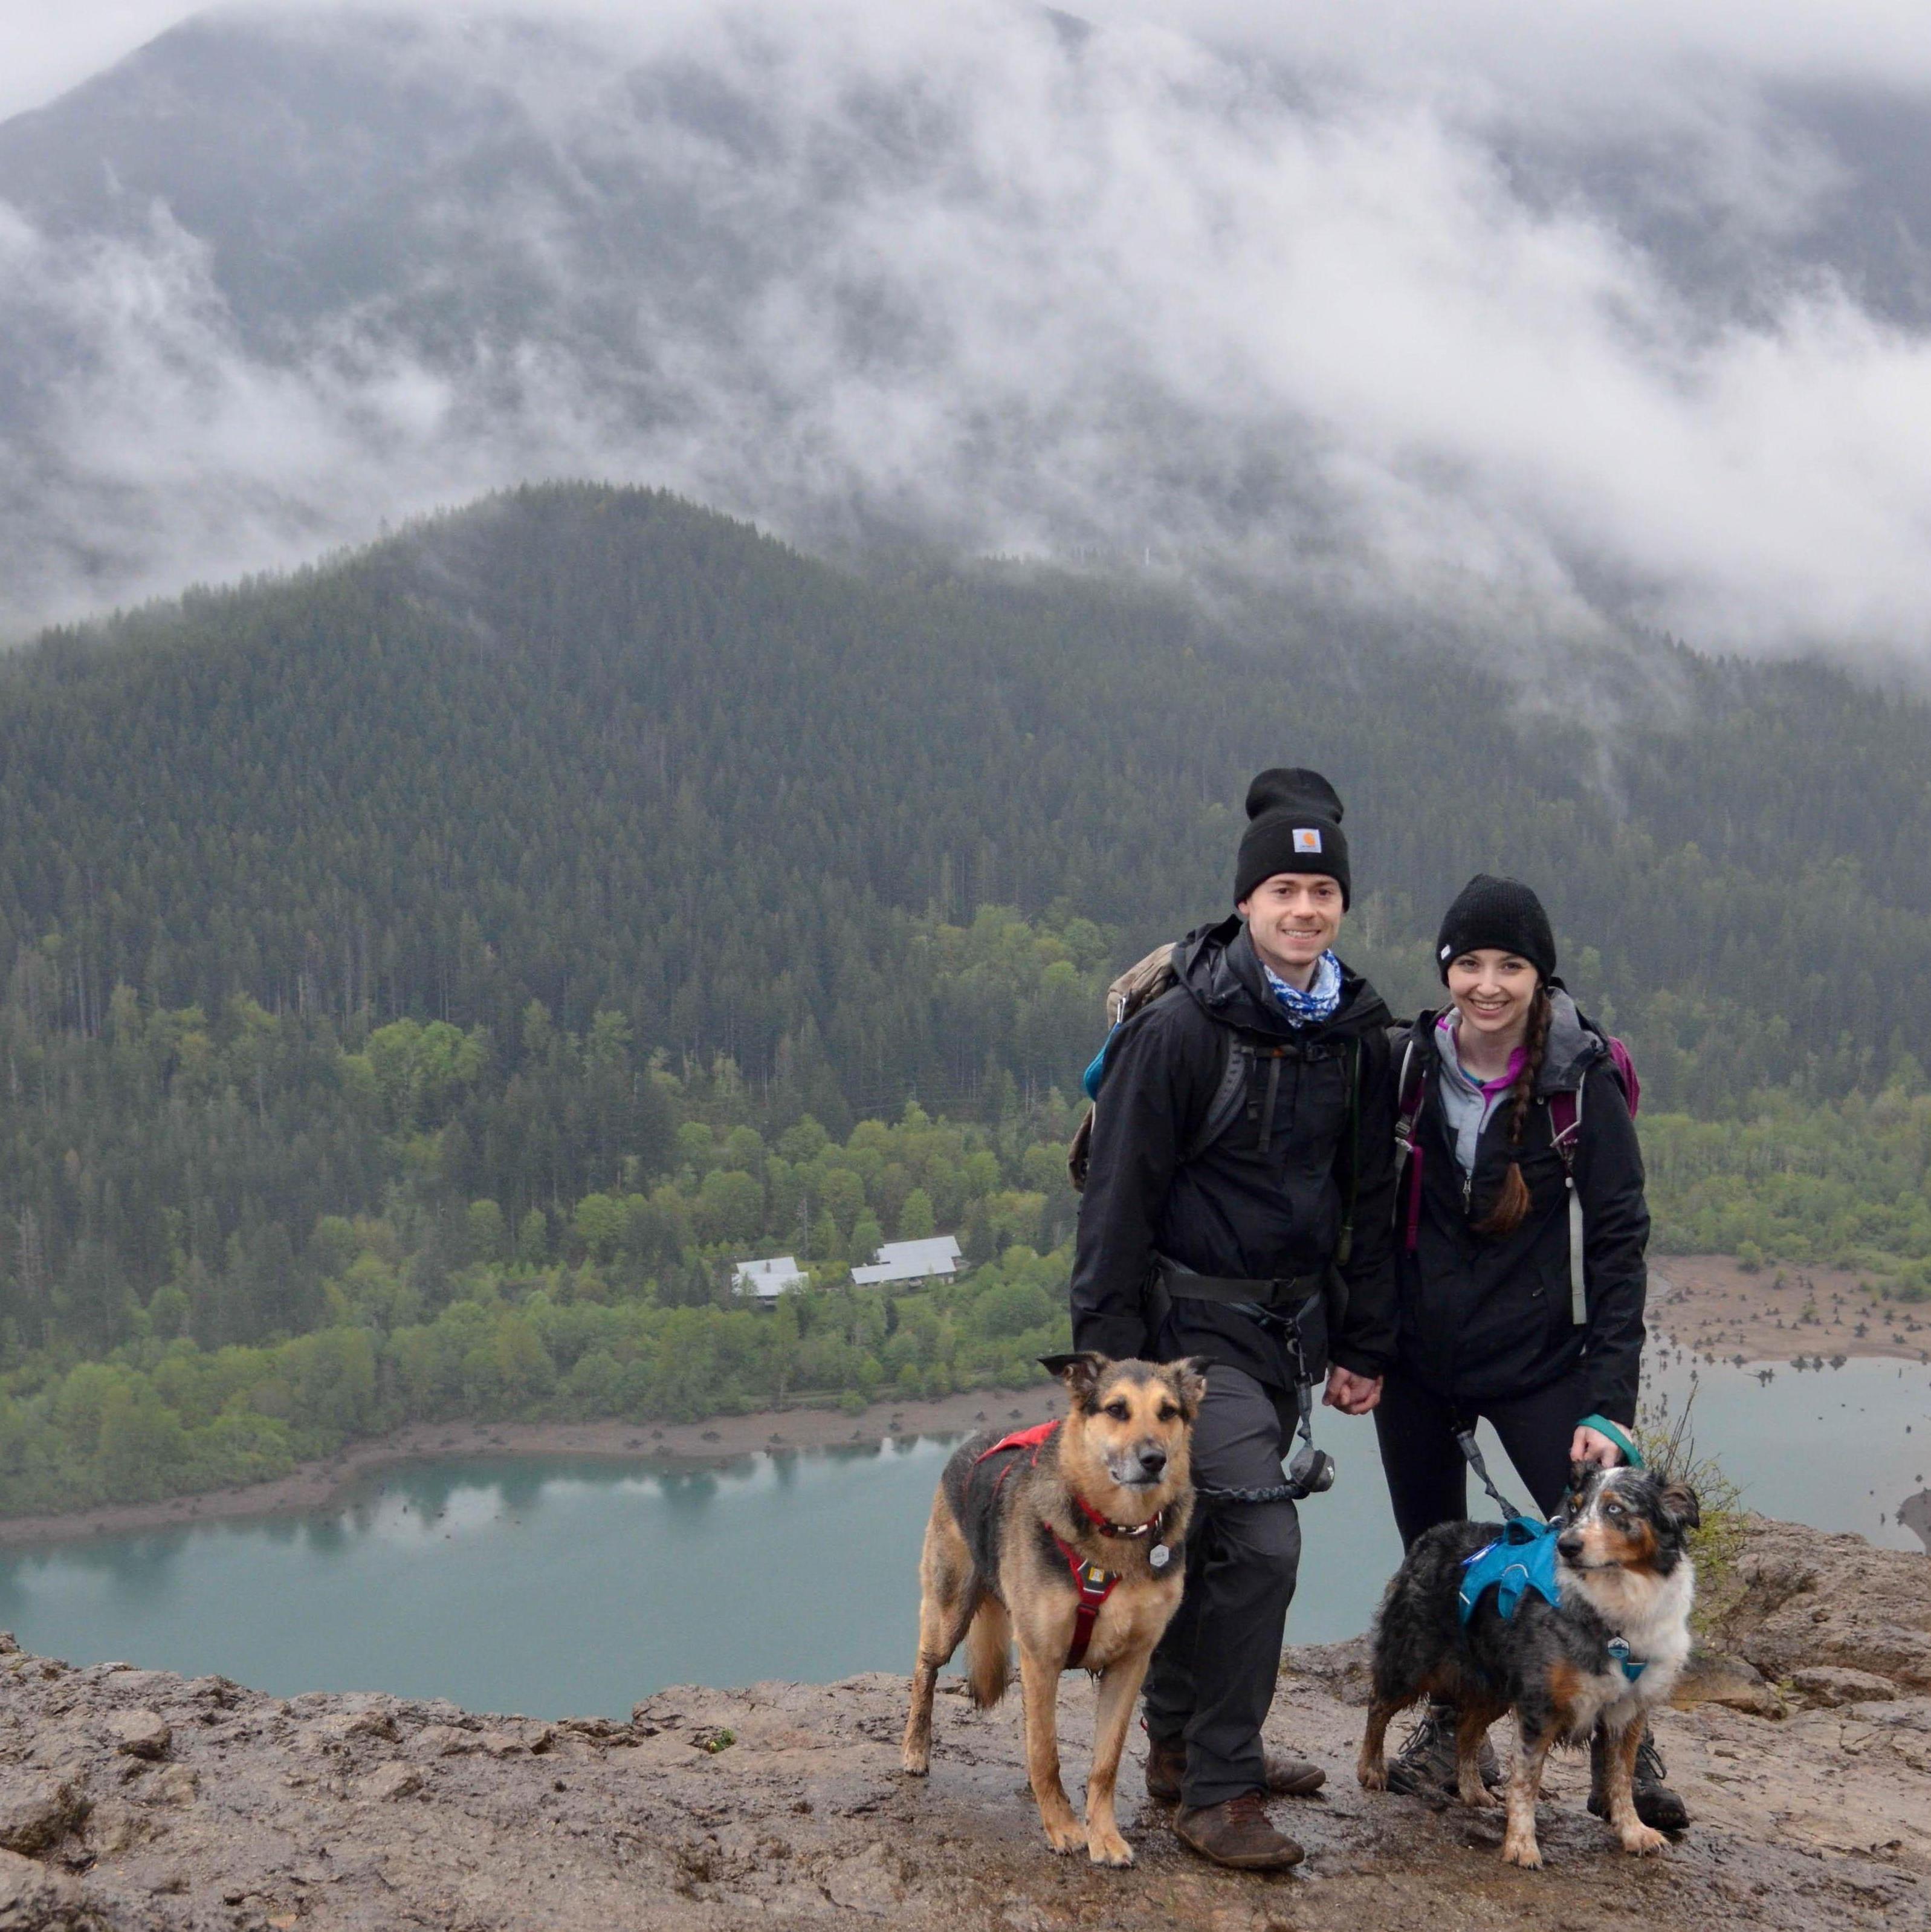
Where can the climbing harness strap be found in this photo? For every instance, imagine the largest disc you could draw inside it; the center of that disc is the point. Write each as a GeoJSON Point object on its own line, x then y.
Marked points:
{"type": "Point", "coordinates": [1280, 1296]}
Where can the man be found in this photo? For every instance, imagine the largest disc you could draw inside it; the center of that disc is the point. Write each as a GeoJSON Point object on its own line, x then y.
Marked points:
{"type": "Point", "coordinates": [1268, 1251]}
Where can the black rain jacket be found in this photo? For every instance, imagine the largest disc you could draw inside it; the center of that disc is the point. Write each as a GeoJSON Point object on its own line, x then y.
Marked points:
{"type": "Point", "coordinates": [1236, 1210]}
{"type": "Point", "coordinates": [1486, 1317]}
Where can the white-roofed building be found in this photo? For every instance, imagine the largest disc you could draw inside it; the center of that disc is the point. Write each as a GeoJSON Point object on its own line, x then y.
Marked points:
{"type": "Point", "coordinates": [767, 1279]}
{"type": "Point", "coordinates": [910, 1260]}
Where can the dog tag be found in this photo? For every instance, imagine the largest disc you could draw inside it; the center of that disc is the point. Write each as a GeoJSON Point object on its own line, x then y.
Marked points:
{"type": "Point", "coordinates": [1159, 1556]}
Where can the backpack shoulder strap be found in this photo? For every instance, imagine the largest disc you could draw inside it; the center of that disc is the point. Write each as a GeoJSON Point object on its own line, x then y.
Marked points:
{"type": "Point", "coordinates": [1344, 1247]}
{"type": "Point", "coordinates": [1224, 1109]}
{"type": "Point", "coordinates": [1565, 1125]}
{"type": "Point", "coordinates": [1409, 1086]}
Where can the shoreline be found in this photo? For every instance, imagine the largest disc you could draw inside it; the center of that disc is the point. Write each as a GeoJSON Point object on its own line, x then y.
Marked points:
{"type": "Point", "coordinates": [312, 1487]}
{"type": "Point", "coordinates": [1701, 1304]}
{"type": "Point", "coordinates": [1709, 1305]}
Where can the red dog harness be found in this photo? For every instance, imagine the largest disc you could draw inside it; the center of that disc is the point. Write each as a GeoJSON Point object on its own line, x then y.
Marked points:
{"type": "Point", "coordinates": [1093, 1584]}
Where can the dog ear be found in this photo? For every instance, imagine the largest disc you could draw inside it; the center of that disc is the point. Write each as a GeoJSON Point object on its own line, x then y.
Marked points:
{"type": "Point", "coordinates": [1680, 1507]}
{"type": "Point", "coordinates": [1189, 1376]}
{"type": "Point", "coordinates": [1579, 1474]}
{"type": "Point", "coordinates": [1081, 1372]}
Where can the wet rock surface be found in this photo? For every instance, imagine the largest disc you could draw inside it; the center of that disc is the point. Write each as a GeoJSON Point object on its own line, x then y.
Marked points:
{"type": "Point", "coordinates": [781, 1805]}
{"type": "Point", "coordinates": [1810, 1599]}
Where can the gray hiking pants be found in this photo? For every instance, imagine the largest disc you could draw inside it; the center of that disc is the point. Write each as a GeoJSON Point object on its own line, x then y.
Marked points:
{"type": "Point", "coordinates": [1212, 1681]}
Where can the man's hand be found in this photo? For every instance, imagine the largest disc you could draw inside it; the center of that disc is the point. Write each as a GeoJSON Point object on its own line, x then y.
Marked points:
{"type": "Point", "coordinates": [1588, 1447]}
{"type": "Point", "coordinates": [1352, 1394]}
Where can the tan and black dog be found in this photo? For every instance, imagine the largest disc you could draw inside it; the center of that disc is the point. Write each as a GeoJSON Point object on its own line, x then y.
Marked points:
{"type": "Point", "coordinates": [1067, 1537]}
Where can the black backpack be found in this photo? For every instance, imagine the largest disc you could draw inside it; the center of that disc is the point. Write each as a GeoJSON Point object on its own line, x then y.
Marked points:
{"type": "Point", "coordinates": [1142, 983]}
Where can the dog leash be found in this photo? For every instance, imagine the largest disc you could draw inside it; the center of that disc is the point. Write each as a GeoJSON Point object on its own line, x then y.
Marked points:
{"type": "Point", "coordinates": [1473, 1455]}
{"type": "Point", "coordinates": [1309, 1474]}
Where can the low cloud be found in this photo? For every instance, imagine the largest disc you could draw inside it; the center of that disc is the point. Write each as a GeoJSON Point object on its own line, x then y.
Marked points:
{"type": "Point", "coordinates": [1454, 334]}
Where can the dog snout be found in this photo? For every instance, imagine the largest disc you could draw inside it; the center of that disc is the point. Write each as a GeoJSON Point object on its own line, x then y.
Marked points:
{"type": "Point", "coordinates": [1153, 1460]}
{"type": "Point", "coordinates": [1569, 1543]}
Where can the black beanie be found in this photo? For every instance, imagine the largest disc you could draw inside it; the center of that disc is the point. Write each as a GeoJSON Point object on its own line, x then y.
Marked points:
{"type": "Point", "coordinates": [1501, 913]}
{"type": "Point", "coordinates": [1295, 827]}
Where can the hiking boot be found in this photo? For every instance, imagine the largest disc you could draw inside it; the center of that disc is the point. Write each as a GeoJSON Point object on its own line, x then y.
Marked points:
{"type": "Point", "coordinates": [1237, 1833]}
{"type": "Point", "coordinates": [1425, 1765]}
{"type": "Point", "coordinates": [1656, 1805]}
{"type": "Point", "coordinates": [1287, 1777]}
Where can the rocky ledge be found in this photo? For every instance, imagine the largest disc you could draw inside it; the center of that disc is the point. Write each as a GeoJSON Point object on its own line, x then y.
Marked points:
{"type": "Point", "coordinates": [134, 1798]}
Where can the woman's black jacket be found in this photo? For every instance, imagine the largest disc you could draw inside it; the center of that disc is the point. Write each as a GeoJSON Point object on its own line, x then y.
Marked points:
{"type": "Point", "coordinates": [1486, 1317]}
{"type": "Point", "coordinates": [1266, 1199]}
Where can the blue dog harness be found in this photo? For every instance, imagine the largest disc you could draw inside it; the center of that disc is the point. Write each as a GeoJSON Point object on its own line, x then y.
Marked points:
{"type": "Point", "coordinates": [1523, 1557]}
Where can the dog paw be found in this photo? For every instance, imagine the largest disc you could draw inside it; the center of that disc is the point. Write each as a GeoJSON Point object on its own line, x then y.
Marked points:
{"type": "Point", "coordinates": [1641, 1839]}
{"type": "Point", "coordinates": [1481, 1798]}
{"type": "Point", "coordinates": [916, 1767]}
{"type": "Point", "coordinates": [1373, 1777]}
{"type": "Point", "coordinates": [1113, 1850]}
{"type": "Point", "coordinates": [1067, 1837]}
{"type": "Point", "coordinates": [1523, 1852]}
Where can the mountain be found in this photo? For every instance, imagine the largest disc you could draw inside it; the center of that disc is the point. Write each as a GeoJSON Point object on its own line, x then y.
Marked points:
{"type": "Point", "coordinates": [985, 279]}
{"type": "Point", "coordinates": [599, 747]}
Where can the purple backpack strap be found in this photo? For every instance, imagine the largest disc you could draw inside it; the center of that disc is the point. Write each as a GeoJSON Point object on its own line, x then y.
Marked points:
{"type": "Point", "coordinates": [1565, 1117]}
{"type": "Point", "coordinates": [1626, 1072]}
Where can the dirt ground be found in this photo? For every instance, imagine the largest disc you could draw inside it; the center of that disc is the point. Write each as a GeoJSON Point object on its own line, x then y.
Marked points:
{"type": "Point", "coordinates": [132, 1798]}
{"type": "Point", "coordinates": [1711, 1305]}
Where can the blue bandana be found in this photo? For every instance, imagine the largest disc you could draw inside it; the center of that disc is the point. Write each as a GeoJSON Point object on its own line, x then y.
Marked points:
{"type": "Point", "coordinates": [1321, 1000]}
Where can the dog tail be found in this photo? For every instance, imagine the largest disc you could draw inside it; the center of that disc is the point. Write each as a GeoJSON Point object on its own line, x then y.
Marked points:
{"type": "Point", "coordinates": [988, 1653]}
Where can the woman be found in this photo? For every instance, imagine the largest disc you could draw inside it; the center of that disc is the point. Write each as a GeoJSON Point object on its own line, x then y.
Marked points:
{"type": "Point", "coordinates": [1493, 1322]}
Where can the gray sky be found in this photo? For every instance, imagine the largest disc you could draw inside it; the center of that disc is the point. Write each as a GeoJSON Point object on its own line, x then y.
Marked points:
{"type": "Point", "coordinates": [1571, 53]}
{"type": "Point", "coordinates": [45, 50]}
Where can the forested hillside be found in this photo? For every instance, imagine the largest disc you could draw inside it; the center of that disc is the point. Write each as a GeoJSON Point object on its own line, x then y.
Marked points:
{"type": "Point", "coordinates": [540, 910]}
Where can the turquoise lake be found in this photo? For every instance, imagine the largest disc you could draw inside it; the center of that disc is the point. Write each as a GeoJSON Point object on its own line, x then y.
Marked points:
{"type": "Point", "coordinates": [552, 1586]}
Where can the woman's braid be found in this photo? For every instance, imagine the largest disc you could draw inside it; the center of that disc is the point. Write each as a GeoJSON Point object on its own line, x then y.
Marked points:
{"type": "Point", "coordinates": [1512, 1201]}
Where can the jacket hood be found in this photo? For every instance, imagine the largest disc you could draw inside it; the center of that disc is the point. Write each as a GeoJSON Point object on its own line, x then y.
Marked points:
{"type": "Point", "coordinates": [1575, 1043]}
{"type": "Point", "coordinates": [1219, 967]}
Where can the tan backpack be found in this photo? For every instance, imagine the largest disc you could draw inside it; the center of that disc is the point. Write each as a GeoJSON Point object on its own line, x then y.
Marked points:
{"type": "Point", "coordinates": [1143, 982]}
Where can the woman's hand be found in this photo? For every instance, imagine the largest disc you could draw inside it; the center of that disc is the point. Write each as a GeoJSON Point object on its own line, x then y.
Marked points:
{"type": "Point", "coordinates": [1588, 1447]}
{"type": "Point", "coordinates": [1352, 1394]}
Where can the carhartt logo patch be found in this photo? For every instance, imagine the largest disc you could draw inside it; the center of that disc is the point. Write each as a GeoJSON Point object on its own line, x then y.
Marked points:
{"type": "Point", "coordinates": [1307, 840]}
